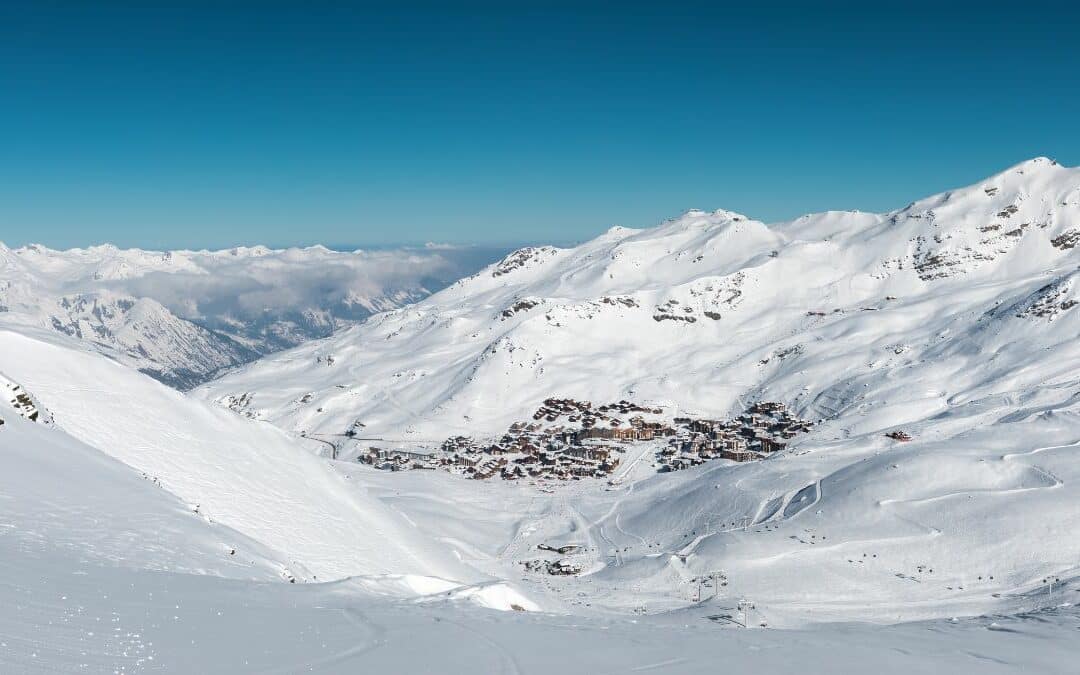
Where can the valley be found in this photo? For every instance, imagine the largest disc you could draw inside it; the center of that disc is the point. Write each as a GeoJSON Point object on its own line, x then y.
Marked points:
{"type": "Point", "coordinates": [711, 430]}
{"type": "Point", "coordinates": [184, 317]}
{"type": "Point", "coordinates": [906, 338]}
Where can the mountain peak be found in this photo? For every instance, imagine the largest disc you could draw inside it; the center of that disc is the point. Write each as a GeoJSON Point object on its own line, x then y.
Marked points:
{"type": "Point", "coordinates": [717, 215]}
{"type": "Point", "coordinates": [1041, 161]}
{"type": "Point", "coordinates": [1036, 166]}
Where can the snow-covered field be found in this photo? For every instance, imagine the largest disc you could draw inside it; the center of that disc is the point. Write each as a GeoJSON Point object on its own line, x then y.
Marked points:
{"type": "Point", "coordinates": [142, 529]}
{"type": "Point", "coordinates": [101, 571]}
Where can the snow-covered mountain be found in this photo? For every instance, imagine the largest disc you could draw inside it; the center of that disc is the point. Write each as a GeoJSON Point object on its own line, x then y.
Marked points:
{"type": "Point", "coordinates": [182, 316]}
{"type": "Point", "coordinates": [950, 324]}
{"type": "Point", "coordinates": [251, 477]}
{"type": "Point", "coordinates": [701, 312]}
{"type": "Point", "coordinates": [138, 332]}
{"type": "Point", "coordinates": [143, 529]}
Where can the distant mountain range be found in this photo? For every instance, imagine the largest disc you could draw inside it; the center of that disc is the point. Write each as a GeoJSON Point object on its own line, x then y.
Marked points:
{"type": "Point", "coordinates": [182, 316]}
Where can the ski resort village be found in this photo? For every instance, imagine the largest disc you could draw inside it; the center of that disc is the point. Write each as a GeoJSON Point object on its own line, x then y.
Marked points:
{"type": "Point", "coordinates": [570, 440]}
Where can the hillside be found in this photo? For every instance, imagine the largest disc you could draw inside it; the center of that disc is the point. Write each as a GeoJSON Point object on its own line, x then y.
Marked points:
{"type": "Point", "coordinates": [698, 313]}
{"type": "Point", "coordinates": [257, 480]}
{"type": "Point", "coordinates": [949, 324]}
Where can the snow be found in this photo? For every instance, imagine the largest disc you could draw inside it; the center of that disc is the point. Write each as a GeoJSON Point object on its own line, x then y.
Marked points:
{"type": "Point", "coordinates": [156, 590]}
{"type": "Point", "coordinates": [145, 530]}
{"type": "Point", "coordinates": [62, 498]}
{"type": "Point", "coordinates": [950, 318]}
{"type": "Point", "coordinates": [242, 474]}
{"type": "Point", "coordinates": [182, 316]}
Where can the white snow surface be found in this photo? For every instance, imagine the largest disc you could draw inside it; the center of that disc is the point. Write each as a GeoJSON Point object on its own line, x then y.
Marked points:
{"type": "Point", "coordinates": [246, 475]}
{"type": "Point", "coordinates": [103, 571]}
{"type": "Point", "coordinates": [952, 319]}
{"type": "Point", "coordinates": [143, 530]}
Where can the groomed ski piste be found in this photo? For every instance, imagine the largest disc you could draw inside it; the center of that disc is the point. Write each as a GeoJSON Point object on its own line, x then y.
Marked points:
{"type": "Point", "coordinates": [144, 530]}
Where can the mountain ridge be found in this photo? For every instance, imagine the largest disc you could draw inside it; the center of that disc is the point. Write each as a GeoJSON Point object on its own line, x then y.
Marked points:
{"type": "Point", "coordinates": [933, 347]}
{"type": "Point", "coordinates": [714, 264]}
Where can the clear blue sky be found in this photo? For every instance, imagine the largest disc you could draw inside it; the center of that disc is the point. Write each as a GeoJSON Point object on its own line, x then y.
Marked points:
{"type": "Point", "coordinates": [213, 124]}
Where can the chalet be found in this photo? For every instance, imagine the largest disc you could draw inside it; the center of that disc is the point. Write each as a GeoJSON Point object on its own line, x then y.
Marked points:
{"type": "Point", "coordinates": [628, 433]}
{"type": "Point", "coordinates": [770, 445]}
{"type": "Point", "coordinates": [610, 462]}
{"type": "Point", "coordinates": [591, 452]}
{"type": "Point", "coordinates": [466, 460]}
{"type": "Point", "coordinates": [512, 473]}
{"type": "Point", "coordinates": [733, 444]}
{"type": "Point", "coordinates": [702, 426]}
{"type": "Point", "coordinates": [739, 455]}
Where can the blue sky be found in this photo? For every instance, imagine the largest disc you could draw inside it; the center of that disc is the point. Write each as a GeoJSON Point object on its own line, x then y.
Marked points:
{"type": "Point", "coordinates": [191, 125]}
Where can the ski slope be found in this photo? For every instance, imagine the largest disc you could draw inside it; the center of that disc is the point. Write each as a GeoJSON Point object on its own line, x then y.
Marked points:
{"type": "Point", "coordinates": [101, 570]}
{"type": "Point", "coordinates": [252, 477]}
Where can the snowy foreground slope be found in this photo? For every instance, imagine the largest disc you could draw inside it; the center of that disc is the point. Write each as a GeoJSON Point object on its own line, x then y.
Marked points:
{"type": "Point", "coordinates": [953, 320]}
{"type": "Point", "coordinates": [182, 316]}
{"type": "Point", "coordinates": [102, 570]}
{"type": "Point", "coordinates": [245, 475]}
